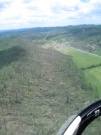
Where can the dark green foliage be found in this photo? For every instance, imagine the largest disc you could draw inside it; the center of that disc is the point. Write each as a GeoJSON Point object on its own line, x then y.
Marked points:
{"type": "Point", "coordinates": [11, 55]}
{"type": "Point", "coordinates": [92, 66]}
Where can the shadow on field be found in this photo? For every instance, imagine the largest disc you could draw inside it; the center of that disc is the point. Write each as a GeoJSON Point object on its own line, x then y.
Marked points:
{"type": "Point", "coordinates": [10, 55]}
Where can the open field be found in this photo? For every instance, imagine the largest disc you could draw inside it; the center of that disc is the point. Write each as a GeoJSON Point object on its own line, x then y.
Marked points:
{"type": "Point", "coordinates": [93, 76]}
{"type": "Point", "coordinates": [83, 59]}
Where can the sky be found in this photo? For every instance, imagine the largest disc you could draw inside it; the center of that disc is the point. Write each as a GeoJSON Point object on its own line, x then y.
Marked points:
{"type": "Point", "coordinates": [15, 14]}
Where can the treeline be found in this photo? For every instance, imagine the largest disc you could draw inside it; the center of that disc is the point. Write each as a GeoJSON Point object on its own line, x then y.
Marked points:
{"type": "Point", "coordinates": [90, 67]}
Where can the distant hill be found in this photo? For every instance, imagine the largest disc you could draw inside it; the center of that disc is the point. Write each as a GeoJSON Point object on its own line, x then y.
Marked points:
{"type": "Point", "coordinates": [86, 37]}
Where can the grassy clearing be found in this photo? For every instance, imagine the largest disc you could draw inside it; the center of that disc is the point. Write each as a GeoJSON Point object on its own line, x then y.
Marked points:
{"type": "Point", "coordinates": [83, 59]}
{"type": "Point", "coordinates": [93, 76]}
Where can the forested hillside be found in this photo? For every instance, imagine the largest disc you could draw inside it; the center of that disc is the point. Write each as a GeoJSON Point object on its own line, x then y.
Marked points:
{"type": "Point", "coordinates": [86, 37]}
{"type": "Point", "coordinates": [39, 88]}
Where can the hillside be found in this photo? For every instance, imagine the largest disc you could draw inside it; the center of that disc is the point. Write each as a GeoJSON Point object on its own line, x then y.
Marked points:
{"type": "Point", "coordinates": [39, 88]}
{"type": "Point", "coordinates": [85, 37]}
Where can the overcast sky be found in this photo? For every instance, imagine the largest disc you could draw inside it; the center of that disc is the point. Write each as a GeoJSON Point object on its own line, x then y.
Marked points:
{"type": "Point", "coordinates": [43, 13]}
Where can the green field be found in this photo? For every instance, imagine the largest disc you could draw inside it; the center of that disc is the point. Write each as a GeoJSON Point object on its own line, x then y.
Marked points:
{"type": "Point", "coordinates": [83, 59]}
{"type": "Point", "coordinates": [93, 76]}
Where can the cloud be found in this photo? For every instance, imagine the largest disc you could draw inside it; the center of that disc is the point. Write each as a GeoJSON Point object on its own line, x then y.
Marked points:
{"type": "Point", "coordinates": [32, 13]}
{"type": "Point", "coordinates": [3, 6]}
{"type": "Point", "coordinates": [27, 1]}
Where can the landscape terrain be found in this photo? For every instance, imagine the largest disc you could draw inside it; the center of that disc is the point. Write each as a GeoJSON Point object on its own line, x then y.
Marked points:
{"type": "Point", "coordinates": [48, 74]}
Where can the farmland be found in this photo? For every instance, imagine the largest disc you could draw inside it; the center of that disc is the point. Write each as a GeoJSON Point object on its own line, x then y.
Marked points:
{"type": "Point", "coordinates": [90, 63]}
{"type": "Point", "coordinates": [84, 60]}
{"type": "Point", "coordinates": [93, 76]}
